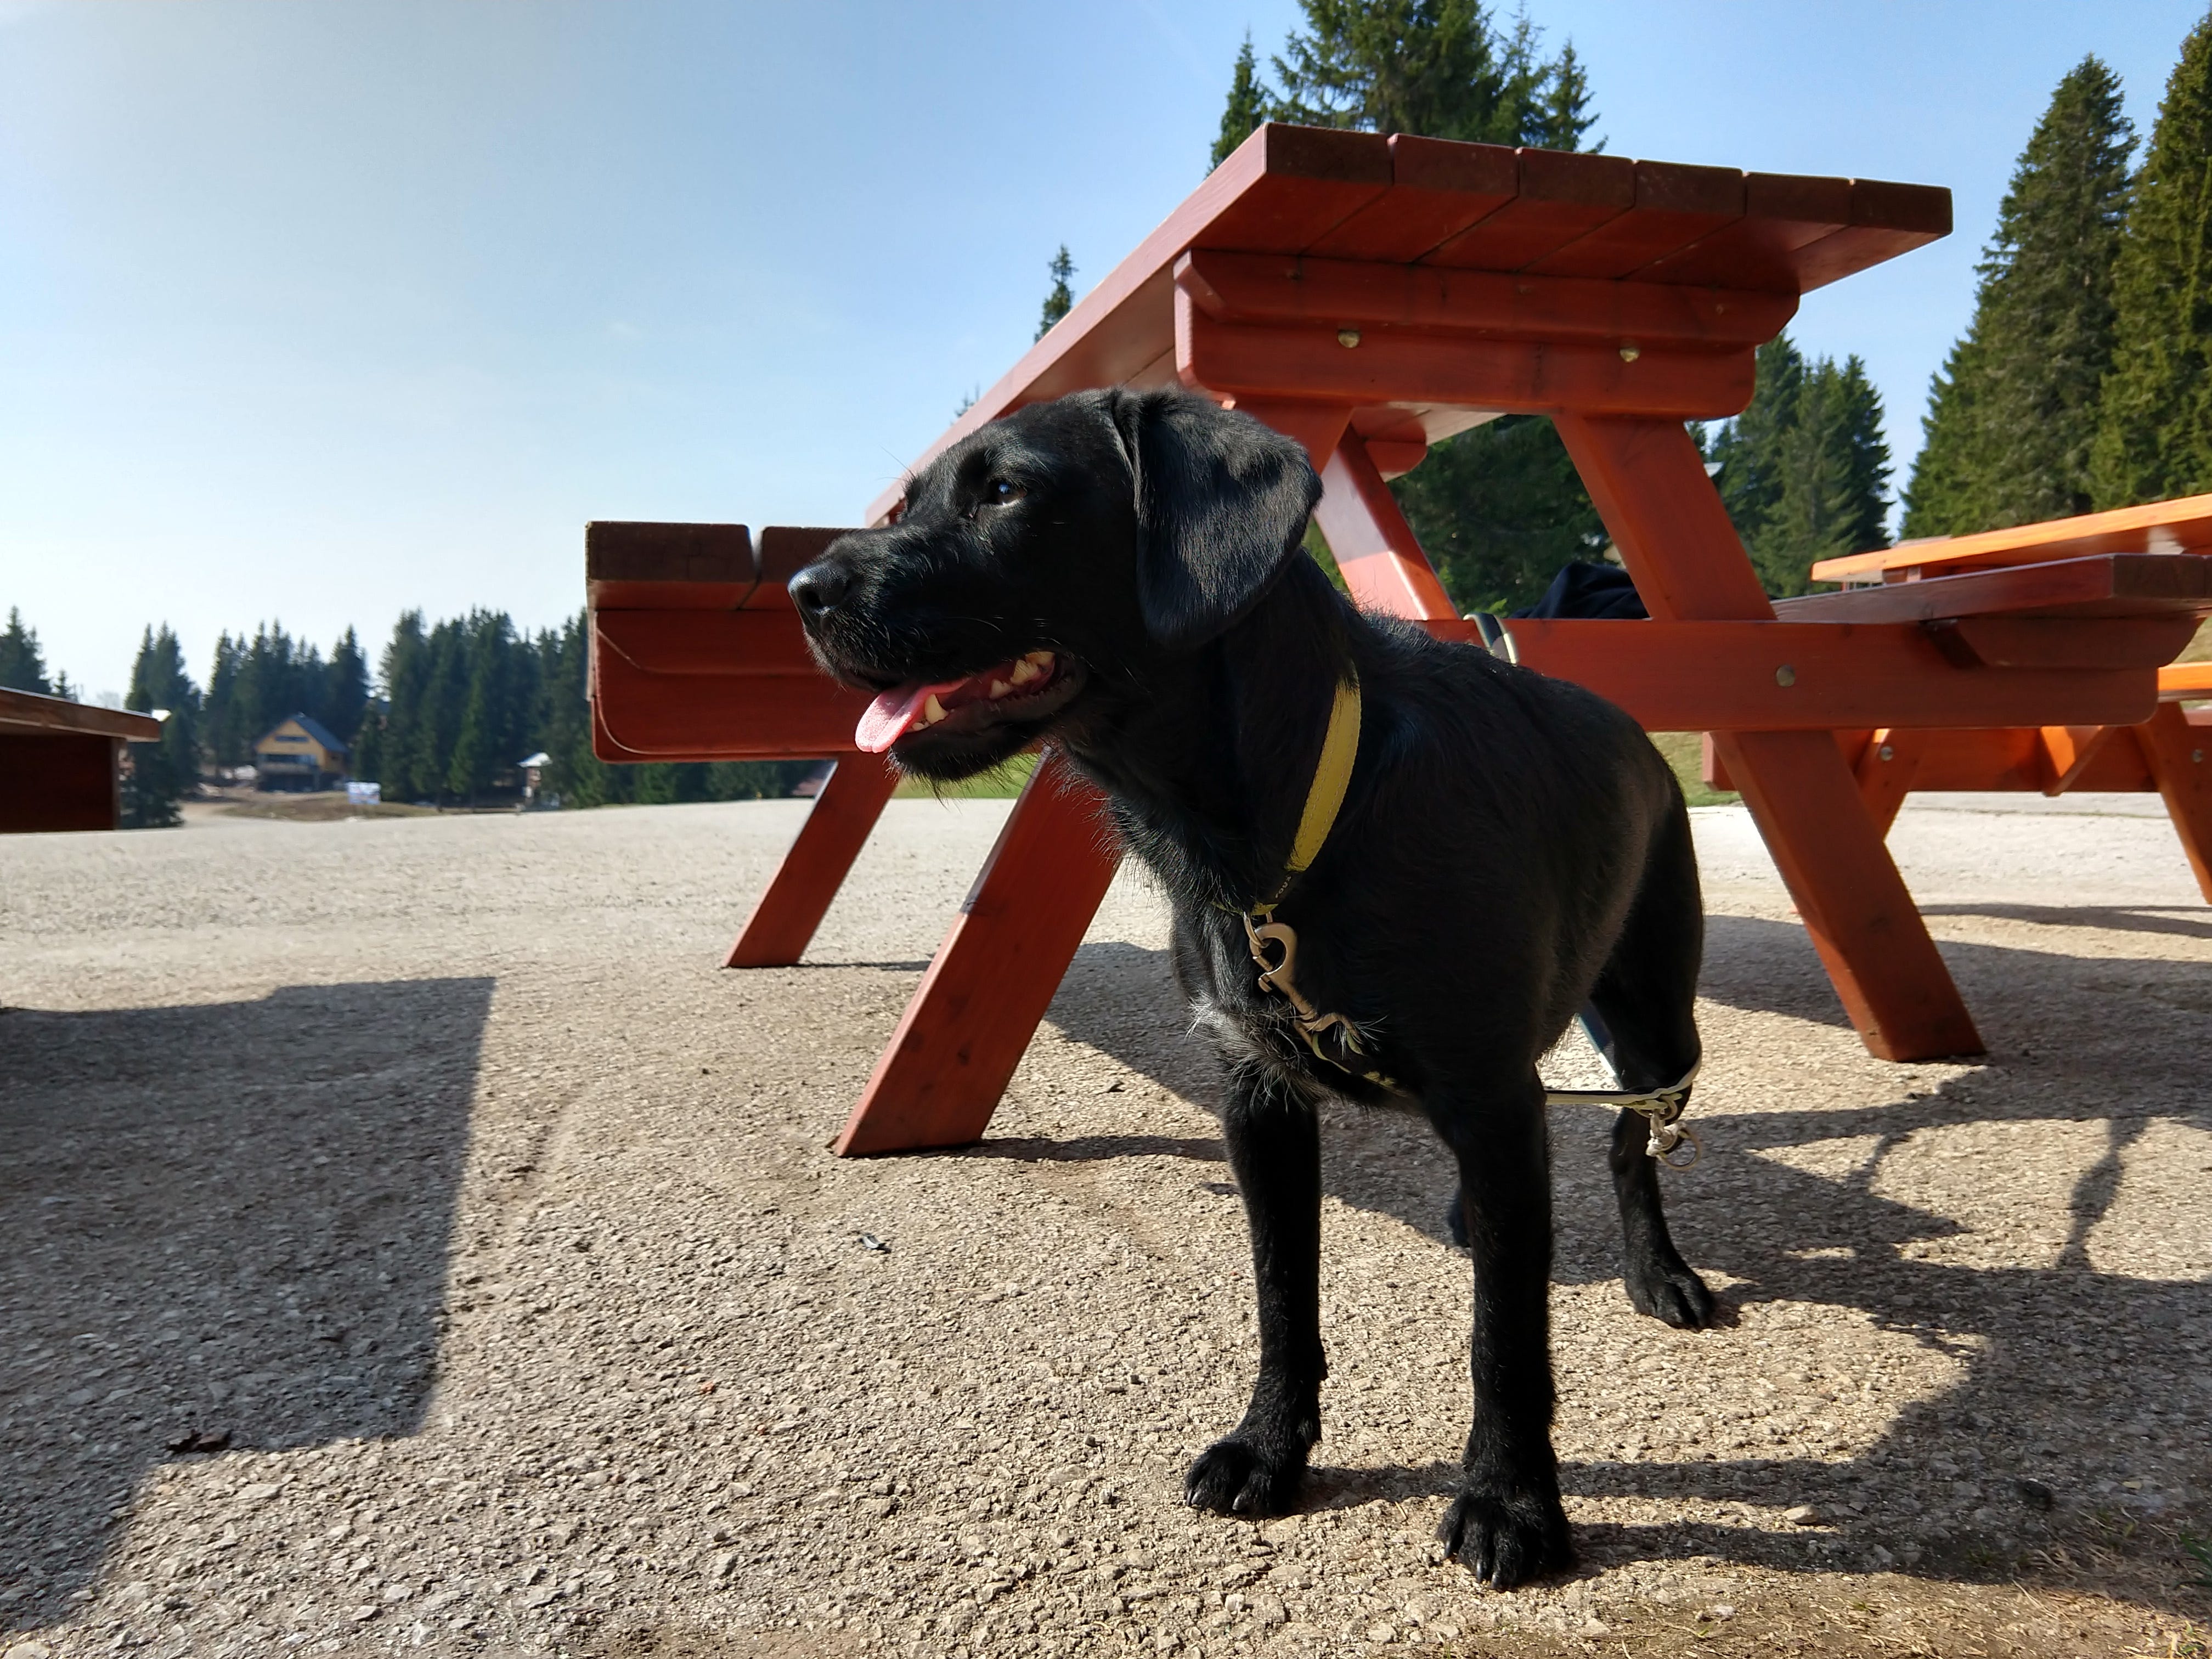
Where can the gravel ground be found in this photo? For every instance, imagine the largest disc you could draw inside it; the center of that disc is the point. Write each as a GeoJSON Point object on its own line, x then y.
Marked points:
{"type": "Point", "coordinates": [410, 1240]}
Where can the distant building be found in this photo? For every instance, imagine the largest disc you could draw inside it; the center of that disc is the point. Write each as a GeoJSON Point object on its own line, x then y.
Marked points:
{"type": "Point", "coordinates": [299, 753]}
{"type": "Point", "coordinates": [533, 775]}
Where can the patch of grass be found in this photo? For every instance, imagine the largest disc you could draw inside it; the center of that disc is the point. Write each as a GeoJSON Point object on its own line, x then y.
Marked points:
{"type": "Point", "coordinates": [323, 808]}
{"type": "Point", "coordinates": [999, 783]}
{"type": "Point", "coordinates": [2200, 1549]}
{"type": "Point", "coordinates": [1684, 752]}
{"type": "Point", "coordinates": [2200, 648]}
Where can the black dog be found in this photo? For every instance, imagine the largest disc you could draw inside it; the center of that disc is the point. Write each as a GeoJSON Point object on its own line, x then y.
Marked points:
{"type": "Point", "coordinates": [1119, 572]}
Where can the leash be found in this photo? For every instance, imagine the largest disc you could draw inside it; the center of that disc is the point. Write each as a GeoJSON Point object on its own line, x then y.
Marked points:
{"type": "Point", "coordinates": [1340, 751]}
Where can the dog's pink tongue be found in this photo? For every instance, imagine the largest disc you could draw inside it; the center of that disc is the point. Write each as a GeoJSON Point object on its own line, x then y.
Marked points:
{"type": "Point", "coordinates": [893, 712]}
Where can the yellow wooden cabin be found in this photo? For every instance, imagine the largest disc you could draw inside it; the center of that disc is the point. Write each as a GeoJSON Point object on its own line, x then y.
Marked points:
{"type": "Point", "coordinates": [299, 753]}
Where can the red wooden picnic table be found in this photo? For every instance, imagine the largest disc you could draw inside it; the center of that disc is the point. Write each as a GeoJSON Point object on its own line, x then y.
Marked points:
{"type": "Point", "coordinates": [1368, 296]}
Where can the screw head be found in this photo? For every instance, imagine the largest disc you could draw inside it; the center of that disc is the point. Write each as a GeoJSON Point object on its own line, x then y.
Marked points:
{"type": "Point", "coordinates": [1347, 338]}
{"type": "Point", "coordinates": [2196, 754]}
{"type": "Point", "coordinates": [1887, 753]}
{"type": "Point", "coordinates": [1629, 354]}
{"type": "Point", "coordinates": [1785, 675]}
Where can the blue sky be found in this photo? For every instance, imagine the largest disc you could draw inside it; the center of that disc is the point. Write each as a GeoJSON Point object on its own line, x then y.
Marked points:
{"type": "Point", "coordinates": [313, 311]}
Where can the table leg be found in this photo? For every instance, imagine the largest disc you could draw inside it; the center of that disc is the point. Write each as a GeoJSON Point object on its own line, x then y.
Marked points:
{"type": "Point", "coordinates": [993, 978]}
{"type": "Point", "coordinates": [1375, 548]}
{"type": "Point", "coordinates": [1649, 485]}
{"type": "Point", "coordinates": [2180, 759]}
{"type": "Point", "coordinates": [775, 935]}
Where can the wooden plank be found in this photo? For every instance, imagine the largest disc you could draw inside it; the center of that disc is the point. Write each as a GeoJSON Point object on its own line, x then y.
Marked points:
{"type": "Point", "coordinates": [1334, 294]}
{"type": "Point", "coordinates": [1810, 676]}
{"type": "Point", "coordinates": [58, 780]}
{"type": "Point", "coordinates": [2095, 585]}
{"type": "Point", "coordinates": [707, 641]}
{"type": "Point", "coordinates": [628, 565]}
{"type": "Point", "coordinates": [1375, 548]}
{"type": "Point", "coordinates": [1309, 180]}
{"type": "Point", "coordinates": [1887, 220]}
{"type": "Point", "coordinates": [784, 551]}
{"type": "Point", "coordinates": [28, 714]}
{"type": "Point", "coordinates": [2182, 525]}
{"type": "Point", "coordinates": [2014, 759]}
{"type": "Point", "coordinates": [1506, 376]}
{"type": "Point", "coordinates": [994, 976]}
{"type": "Point", "coordinates": [2180, 680]}
{"type": "Point", "coordinates": [1438, 189]}
{"type": "Point", "coordinates": [1676, 206]}
{"type": "Point", "coordinates": [1563, 195]}
{"type": "Point", "coordinates": [793, 905]}
{"type": "Point", "coordinates": [1317, 427]}
{"type": "Point", "coordinates": [1783, 214]}
{"type": "Point", "coordinates": [2179, 758]}
{"type": "Point", "coordinates": [646, 716]}
{"type": "Point", "coordinates": [1649, 485]}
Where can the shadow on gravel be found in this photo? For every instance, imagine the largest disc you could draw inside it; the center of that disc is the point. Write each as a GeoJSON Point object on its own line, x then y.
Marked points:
{"type": "Point", "coordinates": [223, 1225]}
{"type": "Point", "coordinates": [2076, 1381]}
{"type": "Point", "coordinates": [2112, 918]}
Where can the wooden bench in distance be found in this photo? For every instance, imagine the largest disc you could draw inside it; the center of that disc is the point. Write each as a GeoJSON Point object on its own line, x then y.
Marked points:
{"type": "Point", "coordinates": [60, 762]}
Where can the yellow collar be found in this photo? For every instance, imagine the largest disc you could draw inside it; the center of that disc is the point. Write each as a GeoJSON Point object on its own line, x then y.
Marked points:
{"type": "Point", "coordinates": [1339, 749]}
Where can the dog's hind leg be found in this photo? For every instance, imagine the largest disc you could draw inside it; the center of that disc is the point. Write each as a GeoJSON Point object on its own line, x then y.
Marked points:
{"type": "Point", "coordinates": [1506, 1525]}
{"type": "Point", "coordinates": [1274, 1139]}
{"type": "Point", "coordinates": [1646, 1000]}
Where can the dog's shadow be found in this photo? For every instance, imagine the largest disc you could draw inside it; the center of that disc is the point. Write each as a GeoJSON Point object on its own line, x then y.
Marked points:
{"type": "Point", "coordinates": [1784, 1234]}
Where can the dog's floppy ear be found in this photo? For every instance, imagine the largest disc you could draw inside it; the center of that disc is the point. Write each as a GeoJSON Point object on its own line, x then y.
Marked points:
{"type": "Point", "coordinates": [1222, 503]}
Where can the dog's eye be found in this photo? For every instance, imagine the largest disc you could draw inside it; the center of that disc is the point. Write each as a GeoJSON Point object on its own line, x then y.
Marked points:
{"type": "Point", "coordinates": [1001, 493]}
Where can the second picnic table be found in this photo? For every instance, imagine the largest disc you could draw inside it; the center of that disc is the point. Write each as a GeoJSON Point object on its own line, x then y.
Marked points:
{"type": "Point", "coordinates": [1370, 295]}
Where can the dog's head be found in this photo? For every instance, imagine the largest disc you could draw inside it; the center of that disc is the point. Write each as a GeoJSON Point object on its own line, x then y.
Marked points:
{"type": "Point", "coordinates": [1046, 563]}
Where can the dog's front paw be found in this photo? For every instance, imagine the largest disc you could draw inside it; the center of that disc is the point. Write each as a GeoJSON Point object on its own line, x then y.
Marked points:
{"type": "Point", "coordinates": [1506, 1539]}
{"type": "Point", "coordinates": [1674, 1294]}
{"type": "Point", "coordinates": [1239, 1475]}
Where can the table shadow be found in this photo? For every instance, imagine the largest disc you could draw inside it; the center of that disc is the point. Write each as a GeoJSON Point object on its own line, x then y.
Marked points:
{"type": "Point", "coordinates": [223, 1225]}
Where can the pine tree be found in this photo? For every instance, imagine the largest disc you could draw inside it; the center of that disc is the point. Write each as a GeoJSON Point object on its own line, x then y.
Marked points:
{"type": "Point", "coordinates": [161, 773]}
{"type": "Point", "coordinates": [23, 667]}
{"type": "Point", "coordinates": [345, 693]}
{"type": "Point", "coordinates": [2014, 413]}
{"type": "Point", "coordinates": [1498, 510]}
{"type": "Point", "coordinates": [1748, 452]}
{"type": "Point", "coordinates": [1804, 470]}
{"type": "Point", "coordinates": [1247, 109]}
{"type": "Point", "coordinates": [2154, 434]}
{"type": "Point", "coordinates": [1061, 299]}
{"type": "Point", "coordinates": [1439, 67]}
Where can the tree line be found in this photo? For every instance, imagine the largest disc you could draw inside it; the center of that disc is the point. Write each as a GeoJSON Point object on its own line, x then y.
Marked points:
{"type": "Point", "coordinates": [458, 707]}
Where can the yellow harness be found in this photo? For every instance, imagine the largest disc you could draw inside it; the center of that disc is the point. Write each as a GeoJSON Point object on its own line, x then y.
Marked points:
{"type": "Point", "coordinates": [1340, 752]}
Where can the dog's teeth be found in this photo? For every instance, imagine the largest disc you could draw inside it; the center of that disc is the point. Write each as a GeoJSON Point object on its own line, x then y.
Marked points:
{"type": "Point", "coordinates": [933, 711]}
{"type": "Point", "coordinates": [1000, 689]}
{"type": "Point", "coordinates": [1025, 671]}
{"type": "Point", "coordinates": [1039, 659]}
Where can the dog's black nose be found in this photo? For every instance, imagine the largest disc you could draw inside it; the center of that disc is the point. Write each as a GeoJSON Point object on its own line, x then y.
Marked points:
{"type": "Point", "coordinates": [819, 589]}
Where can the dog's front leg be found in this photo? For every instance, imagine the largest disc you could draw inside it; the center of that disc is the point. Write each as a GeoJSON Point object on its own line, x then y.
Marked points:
{"type": "Point", "coordinates": [1507, 1525]}
{"type": "Point", "coordinates": [1274, 1151]}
